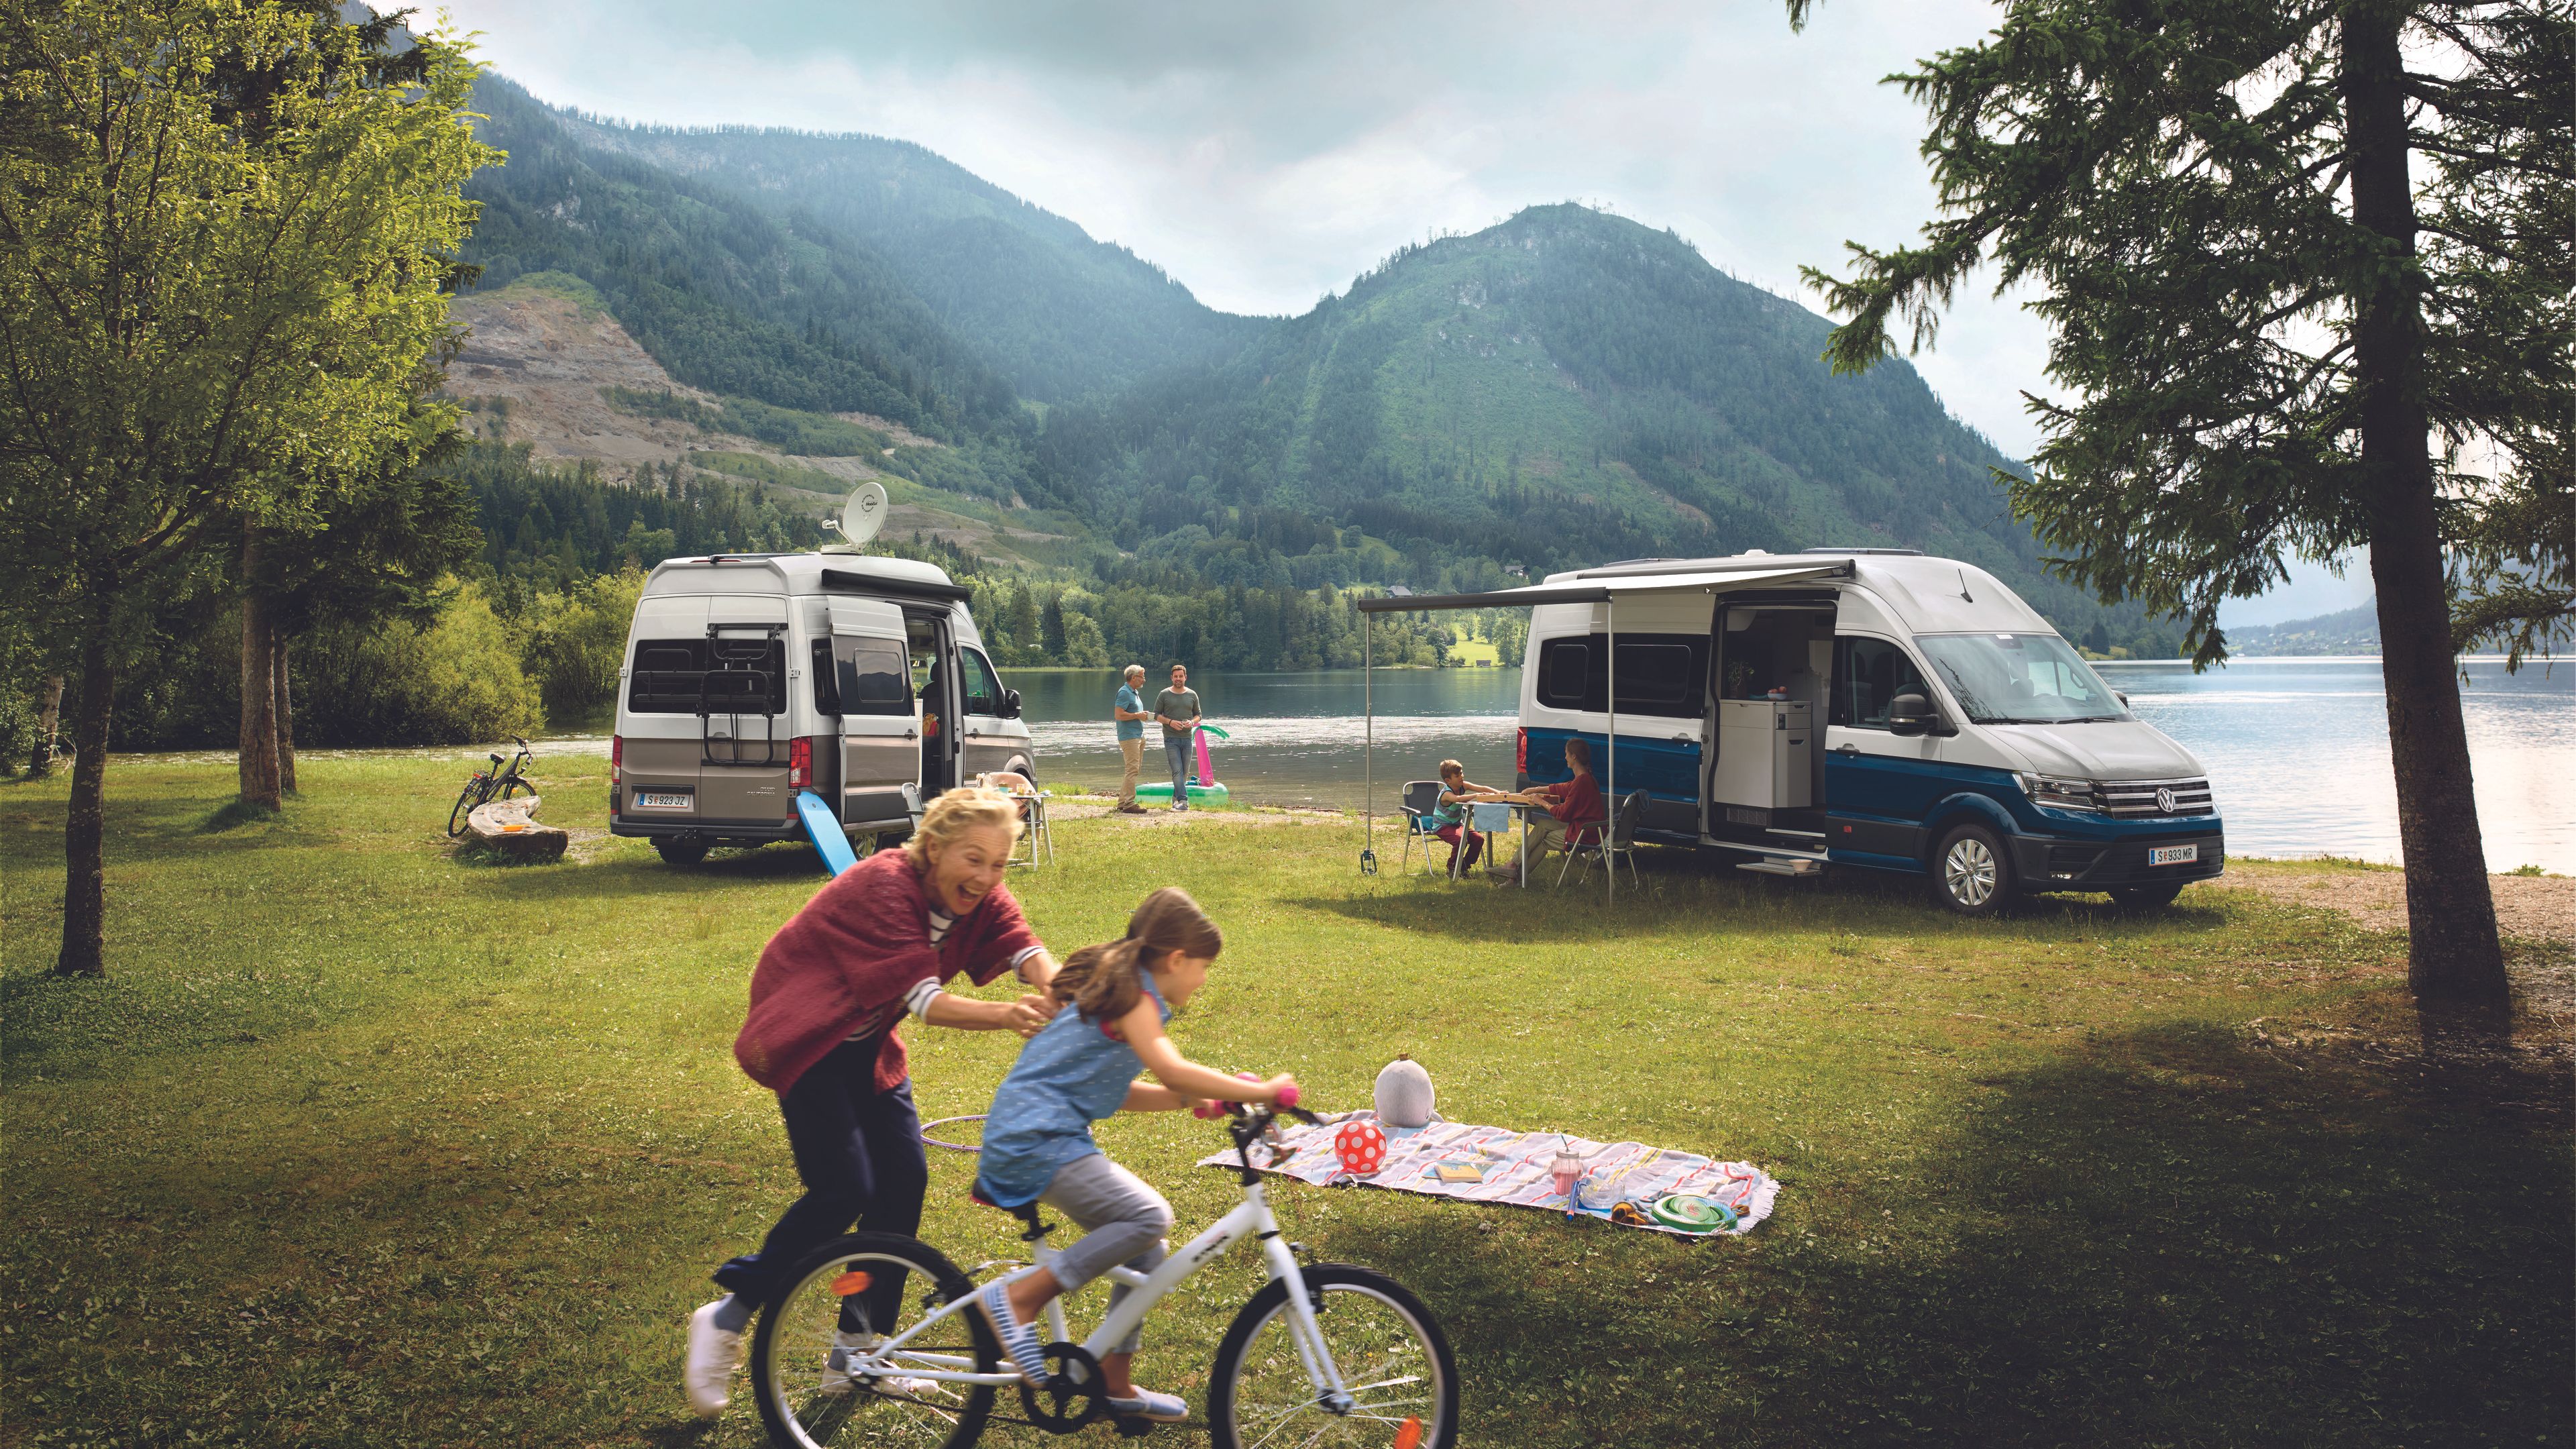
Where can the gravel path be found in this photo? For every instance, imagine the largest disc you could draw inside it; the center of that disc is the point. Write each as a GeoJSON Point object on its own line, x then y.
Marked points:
{"type": "Point", "coordinates": [2539, 908]}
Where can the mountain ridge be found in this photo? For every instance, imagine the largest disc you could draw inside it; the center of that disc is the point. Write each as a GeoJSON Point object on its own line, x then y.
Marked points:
{"type": "Point", "coordinates": [1562, 387]}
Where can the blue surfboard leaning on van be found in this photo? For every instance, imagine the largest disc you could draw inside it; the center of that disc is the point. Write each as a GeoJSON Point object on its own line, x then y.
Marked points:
{"type": "Point", "coordinates": [1873, 708]}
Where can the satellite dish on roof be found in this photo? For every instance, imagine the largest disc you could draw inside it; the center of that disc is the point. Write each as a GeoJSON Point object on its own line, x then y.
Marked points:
{"type": "Point", "coordinates": [863, 515]}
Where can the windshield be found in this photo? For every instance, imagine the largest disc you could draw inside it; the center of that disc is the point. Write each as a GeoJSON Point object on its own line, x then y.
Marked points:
{"type": "Point", "coordinates": [2020, 678]}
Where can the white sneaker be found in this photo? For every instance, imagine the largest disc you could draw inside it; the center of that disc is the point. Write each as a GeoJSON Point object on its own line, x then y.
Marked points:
{"type": "Point", "coordinates": [836, 1370]}
{"type": "Point", "coordinates": [713, 1356]}
{"type": "Point", "coordinates": [1161, 1408]}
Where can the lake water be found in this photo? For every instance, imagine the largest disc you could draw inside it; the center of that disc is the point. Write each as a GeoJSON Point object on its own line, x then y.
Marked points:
{"type": "Point", "coordinates": [2297, 749]}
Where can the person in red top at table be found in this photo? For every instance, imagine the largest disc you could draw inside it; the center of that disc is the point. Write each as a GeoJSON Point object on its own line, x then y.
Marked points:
{"type": "Point", "coordinates": [877, 944]}
{"type": "Point", "coordinates": [1574, 807]}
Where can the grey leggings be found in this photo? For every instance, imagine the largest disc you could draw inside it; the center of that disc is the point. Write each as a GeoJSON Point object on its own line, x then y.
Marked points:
{"type": "Point", "coordinates": [1124, 1221]}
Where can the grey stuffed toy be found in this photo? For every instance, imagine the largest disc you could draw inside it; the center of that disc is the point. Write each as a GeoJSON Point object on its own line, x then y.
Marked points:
{"type": "Point", "coordinates": [1404, 1094]}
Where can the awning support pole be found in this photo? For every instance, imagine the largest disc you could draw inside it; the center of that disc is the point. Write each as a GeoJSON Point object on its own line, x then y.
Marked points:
{"type": "Point", "coordinates": [1368, 751]}
{"type": "Point", "coordinates": [1610, 863]}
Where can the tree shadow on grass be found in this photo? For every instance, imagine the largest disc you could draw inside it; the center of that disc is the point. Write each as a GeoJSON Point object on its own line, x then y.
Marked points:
{"type": "Point", "coordinates": [1690, 891]}
{"type": "Point", "coordinates": [2168, 1236]}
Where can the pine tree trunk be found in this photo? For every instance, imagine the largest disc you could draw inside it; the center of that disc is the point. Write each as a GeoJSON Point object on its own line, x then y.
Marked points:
{"type": "Point", "coordinates": [2453, 953]}
{"type": "Point", "coordinates": [285, 710]}
{"type": "Point", "coordinates": [49, 723]}
{"type": "Point", "coordinates": [259, 785]}
{"type": "Point", "coordinates": [85, 822]}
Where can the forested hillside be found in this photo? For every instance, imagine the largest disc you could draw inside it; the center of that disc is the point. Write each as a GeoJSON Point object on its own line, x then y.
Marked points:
{"type": "Point", "coordinates": [1063, 316]}
{"type": "Point", "coordinates": [727, 295]}
{"type": "Point", "coordinates": [1564, 388]}
{"type": "Point", "coordinates": [1559, 389]}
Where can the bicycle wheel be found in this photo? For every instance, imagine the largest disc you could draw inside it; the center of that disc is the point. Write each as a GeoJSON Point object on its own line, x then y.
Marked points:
{"type": "Point", "coordinates": [513, 785]}
{"type": "Point", "coordinates": [466, 799]}
{"type": "Point", "coordinates": [1394, 1362]}
{"type": "Point", "coordinates": [833, 1301]}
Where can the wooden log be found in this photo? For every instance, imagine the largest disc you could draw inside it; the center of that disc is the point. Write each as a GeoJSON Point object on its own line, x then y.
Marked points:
{"type": "Point", "coordinates": [509, 828]}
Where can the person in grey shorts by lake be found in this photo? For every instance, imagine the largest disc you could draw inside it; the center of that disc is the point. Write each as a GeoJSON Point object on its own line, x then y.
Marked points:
{"type": "Point", "coordinates": [1178, 709]}
{"type": "Point", "coordinates": [1131, 716]}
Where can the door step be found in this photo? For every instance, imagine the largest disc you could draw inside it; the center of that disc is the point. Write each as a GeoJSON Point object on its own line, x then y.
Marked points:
{"type": "Point", "coordinates": [1784, 867]}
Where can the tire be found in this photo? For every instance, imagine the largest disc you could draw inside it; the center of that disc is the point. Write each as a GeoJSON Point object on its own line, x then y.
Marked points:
{"type": "Point", "coordinates": [1380, 1335]}
{"type": "Point", "coordinates": [680, 849]}
{"type": "Point", "coordinates": [512, 786]}
{"type": "Point", "coordinates": [792, 1351]}
{"type": "Point", "coordinates": [472, 795]}
{"type": "Point", "coordinates": [1972, 872]}
{"type": "Point", "coordinates": [2145, 897]}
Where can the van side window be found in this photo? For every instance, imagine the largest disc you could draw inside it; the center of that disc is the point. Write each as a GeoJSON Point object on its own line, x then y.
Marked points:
{"type": "Point", "coordinates": [983, 691]}
{"type": "Point", "coordinates": [1659, 674]}
{"type": "Point", "coordinates": [1867, 674]}
{"type": "Point", "coordinates": [1563, 665]}
{"type": "Point", "coordinates": [827, 684]}
{"type": "Point", "coordinates": [873, 678]}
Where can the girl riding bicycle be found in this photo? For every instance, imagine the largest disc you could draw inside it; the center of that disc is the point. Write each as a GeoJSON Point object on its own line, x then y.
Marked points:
{"type": "Point", "coordinates": [1113, 1001]}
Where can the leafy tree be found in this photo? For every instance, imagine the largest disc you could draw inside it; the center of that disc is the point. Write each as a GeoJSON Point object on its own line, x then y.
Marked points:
{"type": "Point", "coordinates": [202, 322]}
{"type": "Point", "coordinates": [377, 548]}
{"type": "Point", "coordinates": [2288, 275]}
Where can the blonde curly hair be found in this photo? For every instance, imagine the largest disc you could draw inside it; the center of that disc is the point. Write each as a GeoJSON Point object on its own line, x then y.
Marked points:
{"type": "Point", "coordinates": [955, 813]}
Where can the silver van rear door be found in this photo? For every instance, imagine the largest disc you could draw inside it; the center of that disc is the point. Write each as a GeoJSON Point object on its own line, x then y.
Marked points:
{"type": "Point", "coordinates": [743, 704]}
{"type": "Point", "coordinates": [880, 726]}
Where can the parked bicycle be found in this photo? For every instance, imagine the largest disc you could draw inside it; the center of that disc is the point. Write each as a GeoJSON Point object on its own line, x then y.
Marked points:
{"type": "Point", "coordinates": [1324, 1354]}
{"type": "Point", "coordinates": [496, 783]}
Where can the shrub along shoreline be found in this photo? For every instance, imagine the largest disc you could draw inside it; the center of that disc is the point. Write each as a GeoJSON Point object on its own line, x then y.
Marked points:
{"type": "Point", "coordinates": [356, 1143]}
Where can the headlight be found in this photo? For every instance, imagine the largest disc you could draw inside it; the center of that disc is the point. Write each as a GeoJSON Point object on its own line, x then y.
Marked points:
{"type": "Point", "coordinates": [2057, 792]}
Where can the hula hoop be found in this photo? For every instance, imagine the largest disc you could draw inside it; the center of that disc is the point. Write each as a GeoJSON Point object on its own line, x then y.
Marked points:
{"type": "Point", "coordinates": [929, 1141]}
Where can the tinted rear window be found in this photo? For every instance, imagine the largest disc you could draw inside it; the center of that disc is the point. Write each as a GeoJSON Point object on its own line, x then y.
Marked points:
{"type": "Point", "coordinates": [744, 675]}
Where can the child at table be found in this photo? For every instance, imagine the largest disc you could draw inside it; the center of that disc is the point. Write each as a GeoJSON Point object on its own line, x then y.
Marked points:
{"type": "Point", "coordinates": [1457, 792]}
{"type": "Point", "coordinates": [1113, 1002]}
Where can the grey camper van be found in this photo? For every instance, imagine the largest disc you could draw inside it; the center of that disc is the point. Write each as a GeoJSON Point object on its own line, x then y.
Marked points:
{"type": "Point", "coordinates": [750, 678]}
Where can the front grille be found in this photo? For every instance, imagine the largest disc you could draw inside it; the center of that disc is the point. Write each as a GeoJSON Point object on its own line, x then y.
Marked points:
{"type": "Point", "coordinates": [2140, 797]}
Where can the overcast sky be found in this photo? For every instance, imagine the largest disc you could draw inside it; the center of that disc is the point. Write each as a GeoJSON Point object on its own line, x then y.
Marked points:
{"type": "Point", "coordinates": [1265, 155]}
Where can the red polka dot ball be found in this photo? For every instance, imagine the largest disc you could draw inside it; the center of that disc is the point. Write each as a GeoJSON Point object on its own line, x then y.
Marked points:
{"type": "Point", "coordinates": [1361, 1146]}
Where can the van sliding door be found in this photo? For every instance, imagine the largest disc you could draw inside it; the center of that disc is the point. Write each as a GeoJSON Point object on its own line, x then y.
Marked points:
{"type": "Point", "coordinates": [880, 737]}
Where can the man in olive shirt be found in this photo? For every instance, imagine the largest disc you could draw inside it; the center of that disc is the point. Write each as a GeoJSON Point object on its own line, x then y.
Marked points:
{"type": "Point", "coordinates": [1178, 709]}
{"type": "Point", "coordinates": [1130, 710]}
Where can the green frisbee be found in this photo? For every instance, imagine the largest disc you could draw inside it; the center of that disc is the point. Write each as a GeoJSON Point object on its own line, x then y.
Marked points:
{"type": "Point", "coordinates": [1690, 1213]}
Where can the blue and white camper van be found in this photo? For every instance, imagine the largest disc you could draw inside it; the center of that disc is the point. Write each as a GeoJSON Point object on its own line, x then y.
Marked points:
{"type": "Point", "coordinates": [1862, 707]}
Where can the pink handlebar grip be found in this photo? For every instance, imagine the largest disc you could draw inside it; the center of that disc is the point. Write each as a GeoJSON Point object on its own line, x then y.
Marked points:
{"type": "Point", "coordinates": [1287, 1096]}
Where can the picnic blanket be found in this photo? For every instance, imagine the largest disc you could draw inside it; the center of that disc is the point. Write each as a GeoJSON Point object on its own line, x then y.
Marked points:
{"type": "Point", "coordinates": [1516, 1169]}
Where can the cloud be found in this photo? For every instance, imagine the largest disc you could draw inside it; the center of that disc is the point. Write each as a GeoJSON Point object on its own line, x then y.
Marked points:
{"type": "Point", "coordinates": [1265, 155]}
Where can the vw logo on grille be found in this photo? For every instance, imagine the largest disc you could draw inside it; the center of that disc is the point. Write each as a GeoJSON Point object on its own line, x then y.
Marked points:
{"type": "Point", "coordinates": [2164, 799]}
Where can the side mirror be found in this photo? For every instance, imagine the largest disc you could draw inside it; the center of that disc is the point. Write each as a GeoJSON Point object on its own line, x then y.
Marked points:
{"type": "Point", "coordinates": [1010, 704]}
{"type": "Point", "coordinates": [2122, 698]}
{"type": "Point", "coordinates": [1910, 714]}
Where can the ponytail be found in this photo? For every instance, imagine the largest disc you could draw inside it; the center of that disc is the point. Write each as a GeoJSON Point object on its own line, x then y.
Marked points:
{"type": "Point", "coordinates": [1104, 981]}
{"type": "Point", "coordinates": [1101, 981]}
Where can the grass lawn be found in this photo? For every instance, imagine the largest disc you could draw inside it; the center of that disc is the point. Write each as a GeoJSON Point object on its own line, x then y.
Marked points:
{"type": "Point", "coordinates": [361, 1145]}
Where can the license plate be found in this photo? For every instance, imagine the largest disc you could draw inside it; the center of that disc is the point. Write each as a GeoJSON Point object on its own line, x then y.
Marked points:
{"type": "Point", "coordinates": [2172, 854]}
{"type": "Point", "coordinates": [660, 800]}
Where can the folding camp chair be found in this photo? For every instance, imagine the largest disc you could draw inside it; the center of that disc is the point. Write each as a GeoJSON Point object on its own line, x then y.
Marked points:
{"type": "Point", "coordinates": [1619, 845]}
{"type": "Point", "coordinates": [1421, 797]}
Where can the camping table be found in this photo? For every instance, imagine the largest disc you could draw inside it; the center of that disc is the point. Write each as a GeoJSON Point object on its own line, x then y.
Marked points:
{"type": "Point", "coordinates": [1038, 835]}
{"type": "Point", "coordinates": [1485, 819]}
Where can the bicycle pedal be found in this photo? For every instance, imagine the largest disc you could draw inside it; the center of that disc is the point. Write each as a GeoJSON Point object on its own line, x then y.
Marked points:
{"type": "Point", "coordinates": [1130, 1427]}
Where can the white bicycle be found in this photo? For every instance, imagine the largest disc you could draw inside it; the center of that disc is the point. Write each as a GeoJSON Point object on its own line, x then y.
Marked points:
{"type": "Point", "coordinates": [1324, 1354]}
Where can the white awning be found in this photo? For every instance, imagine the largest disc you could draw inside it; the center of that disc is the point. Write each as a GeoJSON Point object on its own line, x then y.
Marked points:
{"type": "Point", "coordinates": [1592, 589]}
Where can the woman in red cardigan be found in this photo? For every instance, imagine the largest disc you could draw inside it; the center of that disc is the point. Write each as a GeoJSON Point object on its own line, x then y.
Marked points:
{"type": "Point", "coordinates": [878, 943]}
